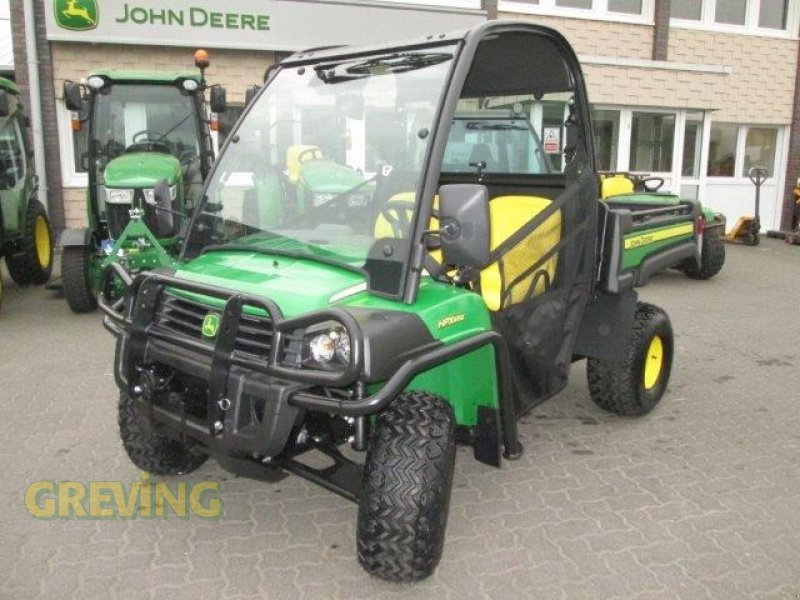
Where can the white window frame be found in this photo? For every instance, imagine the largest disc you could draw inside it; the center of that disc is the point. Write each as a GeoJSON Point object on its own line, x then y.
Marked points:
{"type": "Point", "coordinates": [70, 178]}
{"type": "Point", "coordinates": [750, 27]}
{"type": "Point", "coordinates": [598, 12]}
{"type": "Point", "coordinates": [775, 169]}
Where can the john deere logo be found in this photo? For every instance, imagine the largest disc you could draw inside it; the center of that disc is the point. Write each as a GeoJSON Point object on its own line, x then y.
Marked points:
{"type": "Point", "coordinates": [210, 325]}
{"type": "Point", "coordinates": [77, 15]}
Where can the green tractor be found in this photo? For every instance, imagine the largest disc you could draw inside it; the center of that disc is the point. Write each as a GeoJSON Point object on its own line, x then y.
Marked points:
{"type": "Point", "coordinates": [25, 236]}
{"type": "Point", "coordinates": [145, 129]}
{"type": "Point", "coordinates": [441, 297]}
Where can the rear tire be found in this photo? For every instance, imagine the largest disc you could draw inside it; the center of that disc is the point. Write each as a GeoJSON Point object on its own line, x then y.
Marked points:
{"type": "Point", "coordinates": [33, 264]}
{"type": "Point", "coordinates": [408, 477]}
{"type": "Point", "coordinates": [76, 276]}
{"type": "Point", "coordinates": [150, 451]}
{"type": "Point", "coordinates": [633, 386]}
{"type": "Point", "coordinates": [713, 258]}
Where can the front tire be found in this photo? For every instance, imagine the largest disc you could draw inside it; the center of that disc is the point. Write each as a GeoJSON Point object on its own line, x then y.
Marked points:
{"type": "Point", "coordinates": [408, 477]}
{"type": "Point", "coordinates": [150, 451]}
{"type": "Point", "coordinates": [34, 263]}
{"type": "Point", "coordinates": [633, 386]}
{"type": "Point", "coordinates": [76, 265]}
{"type": "Point", "coordinates": [713, 257]}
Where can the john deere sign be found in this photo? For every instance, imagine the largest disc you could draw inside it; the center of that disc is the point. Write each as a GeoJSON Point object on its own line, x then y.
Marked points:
{"type": "Point", "coordinates": [76, 15]}
{"type": "Point", "coordinates": [249, 24]}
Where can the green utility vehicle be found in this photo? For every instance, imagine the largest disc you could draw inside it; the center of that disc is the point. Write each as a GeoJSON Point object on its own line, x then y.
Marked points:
{"type": "Point", "coordinates": [642, 191]}
{"type": "Point", "coordinates": [145, 128]}
{"type": "Point", "coordinates": [435, 301]}
{"type": "Point", "coordinates": [25, 236]}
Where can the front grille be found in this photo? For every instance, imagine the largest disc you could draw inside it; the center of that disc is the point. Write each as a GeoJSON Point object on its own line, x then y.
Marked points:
{"type": "Point", "coordinates": [185, 318]}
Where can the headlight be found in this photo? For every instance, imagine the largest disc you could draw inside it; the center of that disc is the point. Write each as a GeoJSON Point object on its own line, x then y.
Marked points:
{"type": "Point", "coordinates": [150, 194]}
{"type": "Point", "coordinates": [190, 85]}
{"type": "Point", "coordinates": [119, 196]}
{"type": "Point", "coordinates": [327, 347]}
{"type": "Point", "coordinates": [95, 82]}
{"type": "Point", "coordinates": [322, 198]}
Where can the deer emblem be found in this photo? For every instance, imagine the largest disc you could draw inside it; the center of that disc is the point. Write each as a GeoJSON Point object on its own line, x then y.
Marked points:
{"type": "Point", "coordinates": [73, 10]}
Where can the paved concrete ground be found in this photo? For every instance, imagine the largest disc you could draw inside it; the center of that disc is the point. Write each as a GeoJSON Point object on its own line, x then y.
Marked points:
{"type": "Point", "coordinates": [701, 499]}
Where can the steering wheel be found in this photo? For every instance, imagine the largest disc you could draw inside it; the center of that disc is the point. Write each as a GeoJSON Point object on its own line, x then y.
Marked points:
{"type": "Point", "coordinates": [398, 214]}
{"type": "Point", "coordinates": [309, 154]}
{"type": "Point", "coordinates": [149, 142]}
{"type": "Point", "coordinates": [658, 182]}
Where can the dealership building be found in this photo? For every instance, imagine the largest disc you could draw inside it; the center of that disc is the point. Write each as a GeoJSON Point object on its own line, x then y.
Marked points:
{"type": "Point", "coordinates": [693, 91]}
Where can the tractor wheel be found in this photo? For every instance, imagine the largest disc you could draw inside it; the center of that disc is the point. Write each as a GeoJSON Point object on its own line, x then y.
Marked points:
{"type": "Point", "coordinates": [712, 260]}
{"type": "Point", "coordinates": [408, 476]}
{"type": "Point", "coordinates": [633, 386]}
{"type": "Point", "coordinates": [76, 264]}
{"type": "Point", "coordinates": [34, 262]}
{"type": "Point", "coordinates": [150, 451]}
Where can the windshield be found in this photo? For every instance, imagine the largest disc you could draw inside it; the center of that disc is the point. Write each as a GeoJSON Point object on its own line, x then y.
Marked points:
{"type": "Point", "coordinates": [327, 163]}
{"type": "Point", "coordinates": [133, 116]}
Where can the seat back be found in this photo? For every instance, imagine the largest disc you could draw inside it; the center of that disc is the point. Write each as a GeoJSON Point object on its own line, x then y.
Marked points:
{"type": "Point", "coordinates": [615, 185]}
{"type": "Point", "coordinates": [510, 279]}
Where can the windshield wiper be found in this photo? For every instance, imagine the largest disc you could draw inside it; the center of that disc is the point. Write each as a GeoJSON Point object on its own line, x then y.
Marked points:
{"type": "Point", "coordinates": [478, 126]}
{"type": "Point", "coordinates": [174, 127]}
{"type": "Point", "coordinates": [394, 63]}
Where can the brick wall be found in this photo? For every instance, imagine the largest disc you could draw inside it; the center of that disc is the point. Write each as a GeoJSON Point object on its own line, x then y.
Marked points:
{"type": "Point", "coordinates": [761, 87]}
{"type": "Point", "coordinates": [233, 69]}
{"type": "Point", "coordinates": [661, 30]}
{"type": "Point", "coordinates": [793, 164]}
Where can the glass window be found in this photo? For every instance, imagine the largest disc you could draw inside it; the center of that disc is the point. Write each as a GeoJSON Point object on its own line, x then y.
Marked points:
{"type": "Point", "coordinates": [731, 11]}
{"type": "Point", "coordinates": [759, 149]}
{"type": "Point", "coordinates": [605, 125]}
{"type": "Point", "coordinates": [652, 137]}
{"type": "Point", "coordinates": [772, 14]}
{"type": "Point", "coordinates": [633, 7]}
{"type": "Point", "coordinates": [686, 9]}
{"type": "Point", "coordinates": [228, 119]}
{"type": "Point", "coordinates": [722, 150]}
{"type": "Point", "coordinates": [12, 154]}
{"type": "Point", "coordinates": [692, 143]}
{"type": "Point", "coordinates": [574, 3]}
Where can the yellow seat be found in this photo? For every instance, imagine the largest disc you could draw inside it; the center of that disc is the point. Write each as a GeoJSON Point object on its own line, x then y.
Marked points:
{"type": "Point", "coordinates": [293, 162]}
{"type": "Point", "coordinates": [507, 215]}
{"type": "Point", "coordinates": [615, 185]}
{"type": "Point", "coordinates": [383, 229]}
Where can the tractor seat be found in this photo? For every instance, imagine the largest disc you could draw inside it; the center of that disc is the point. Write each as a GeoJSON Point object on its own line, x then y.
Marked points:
{"type": "Point", "coordinates": [616, 185]}
{"type": "Point", "coordinates": [507, 214]}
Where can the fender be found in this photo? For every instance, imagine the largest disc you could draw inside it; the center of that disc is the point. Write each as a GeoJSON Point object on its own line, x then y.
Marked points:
{"type": "Point", "coordinates": [75, 238]}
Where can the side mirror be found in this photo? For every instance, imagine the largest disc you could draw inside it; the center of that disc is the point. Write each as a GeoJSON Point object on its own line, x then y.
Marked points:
{"type": "Point", "coordinates": [250, 94]}
{"type": "Point", "coordinates": [465, 230]}
{"type": "Point", "coordinates": [4, 104]}
{"type": "Point", "coordinates": [72, 95]}
{"type": "Point", "coordinates": [218, 102]}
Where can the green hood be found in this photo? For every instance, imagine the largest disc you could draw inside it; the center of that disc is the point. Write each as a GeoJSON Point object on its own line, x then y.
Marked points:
{"type": "Point", "coordinates": [141, 170]}
{"type": "Point", "coordinates": [296, 285]}
{"type": "Point", "coordinates": [325, 176]}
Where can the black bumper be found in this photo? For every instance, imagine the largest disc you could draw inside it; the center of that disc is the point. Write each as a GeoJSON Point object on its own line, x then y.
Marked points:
{"type": "Point", "coordinates": [253, 403]}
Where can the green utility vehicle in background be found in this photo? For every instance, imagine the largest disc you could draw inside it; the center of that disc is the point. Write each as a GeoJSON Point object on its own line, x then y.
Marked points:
{"type": "Point", "coordinates": [145, 128]}
{"type": "Point", "coordinates": [25, 236]}
{"type": "Point", "coordinates": [438, 299]}
{"type": "Point", "coordinates": [642, 191]}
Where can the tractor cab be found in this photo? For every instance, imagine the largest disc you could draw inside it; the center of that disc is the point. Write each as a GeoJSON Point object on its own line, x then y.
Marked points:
{"type": "Point", "coordinates": [145, 130]}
